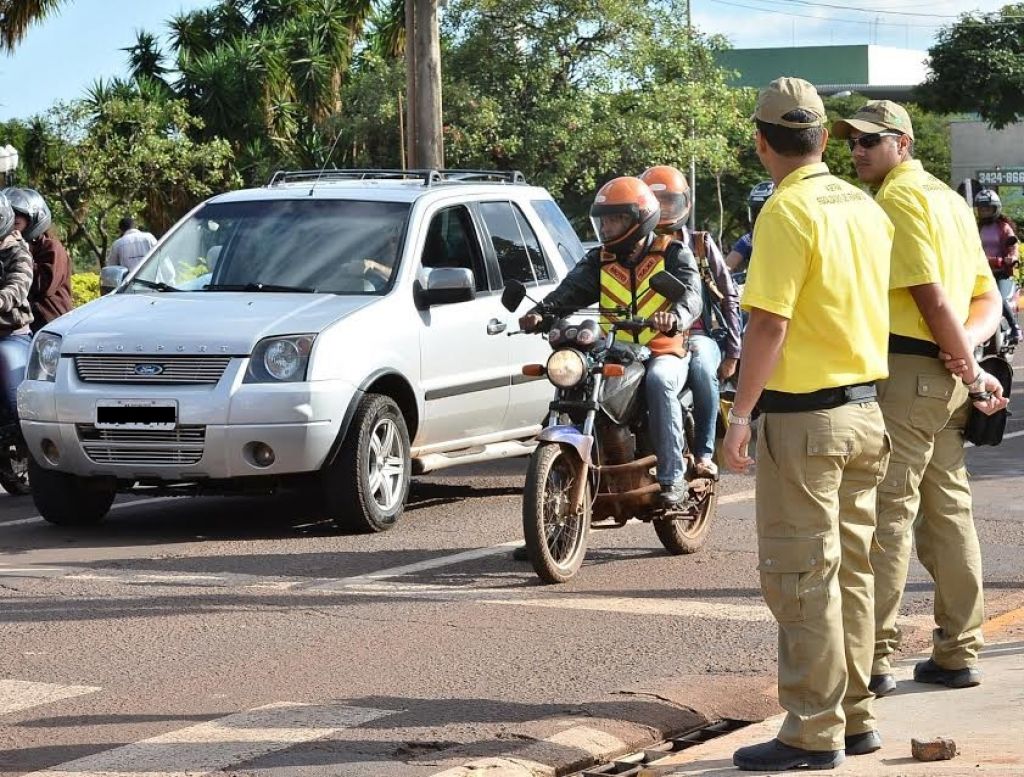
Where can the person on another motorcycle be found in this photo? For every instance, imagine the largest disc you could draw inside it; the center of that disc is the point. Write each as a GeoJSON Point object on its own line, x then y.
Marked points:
{"type": "Point", "coordinates": [50, 296]}
{"type": "Point", "coordinates": [739, 256]}
{"type": "Point", "coordinates": [715, 335]}
{"type": "Point", "coordinates": [15, 311]}
{"type": "Point", "coordinates": [999, 239]}
{"type": "Point", "coordinates": [618, 274]}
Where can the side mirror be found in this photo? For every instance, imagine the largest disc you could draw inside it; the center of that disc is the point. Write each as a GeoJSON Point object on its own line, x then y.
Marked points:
{"type": "Point", "coordinates": [513, 295]}
{"type": "Point", "coordinates": [444, 286]}
{"type": "Point", "coordinates": [669, 286]}
{"type": "Point", "coordinates": [112, 277]}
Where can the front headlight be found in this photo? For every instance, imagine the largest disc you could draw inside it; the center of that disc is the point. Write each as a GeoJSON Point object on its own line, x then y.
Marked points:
{"type": "Point", "coordinates": [280, 359]}
{"type": "Point", "coordinates": [45, 356]}
{"type": "Point", "coordinates": [566, 368]}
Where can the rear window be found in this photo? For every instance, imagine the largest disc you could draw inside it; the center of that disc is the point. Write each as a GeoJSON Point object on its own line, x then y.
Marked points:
{"type": "Point", "coordinates": [565, 237]}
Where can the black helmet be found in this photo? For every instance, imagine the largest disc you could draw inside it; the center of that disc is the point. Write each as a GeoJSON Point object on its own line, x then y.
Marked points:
{"type": "Point", "coordinates": [30, 204]}
{"type": "Point", "coordinates": [756, 199]}
{"type": "Point", "coordinates": [987, 205]}
{"type": "Point", "coordinates": [6, 216]}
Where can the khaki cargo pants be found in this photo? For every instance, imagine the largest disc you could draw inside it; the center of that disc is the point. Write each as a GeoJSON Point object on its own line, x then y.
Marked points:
{"type": "Point", "coordinates": [816, 478]}
{"type": "Point", "coordinates": [926, 490]}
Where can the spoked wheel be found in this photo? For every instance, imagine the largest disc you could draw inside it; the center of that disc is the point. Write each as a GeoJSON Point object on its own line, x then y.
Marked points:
{"type": "Point", "coordinates": [556, 535]}
{"type": "Point", "coordinates": [688, 533]}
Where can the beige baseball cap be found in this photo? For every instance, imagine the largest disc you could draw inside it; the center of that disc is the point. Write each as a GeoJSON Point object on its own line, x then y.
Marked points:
{"type": "Point", "coordinates": [789, 94]}
{"type": "Point", "coordinates": [876, 116]}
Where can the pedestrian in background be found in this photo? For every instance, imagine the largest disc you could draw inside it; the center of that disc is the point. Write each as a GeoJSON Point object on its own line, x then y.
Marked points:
{"type": "Point", "coordinates": [817, 294]}
{"type": "Point", "coordinates": [942, 299]}
{"type": "Point", "coordinates": [131, 248]}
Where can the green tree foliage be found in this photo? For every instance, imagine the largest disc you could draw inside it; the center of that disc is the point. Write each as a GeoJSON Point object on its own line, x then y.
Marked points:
{"type": "Point", "coordinates": [978, 66]}
{"type": "Point", "coordinates": [16, 16]}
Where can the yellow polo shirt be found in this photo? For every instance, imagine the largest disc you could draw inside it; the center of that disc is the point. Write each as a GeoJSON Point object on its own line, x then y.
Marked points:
{"type": "Point", "coordinates": [821, 260]}
{"type": "Point", "coordinates": [936, 241]}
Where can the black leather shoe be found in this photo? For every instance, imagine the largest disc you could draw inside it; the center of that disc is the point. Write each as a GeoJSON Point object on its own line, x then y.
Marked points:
{"type": "Point", "coordinates": [777, 756]}
{"type": "Point", "coordinates": [862, 744]}
{"type": "Point", "coordinates": [930, 672]}
{"type": "Point", "coordinates": [882, 684]}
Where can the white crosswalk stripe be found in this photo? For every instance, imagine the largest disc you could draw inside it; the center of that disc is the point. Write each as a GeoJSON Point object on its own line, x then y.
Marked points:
{"type": "Point", "coordinates": [18, 695]}
{"type": "Point", "coordinates": [219, 744]}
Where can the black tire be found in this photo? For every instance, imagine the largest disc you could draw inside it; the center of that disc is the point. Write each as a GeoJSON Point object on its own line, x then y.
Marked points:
{"type": "Point", "coordinates": [14, 473]}
{"type": "Point", "coordinates": [69, 500]}
{"type": "Point", "coordinates": [556, 541]}
{"type": "Point", "coordinates": [364, 492]}
{"type": "Point", "coordinates": [682, 537]}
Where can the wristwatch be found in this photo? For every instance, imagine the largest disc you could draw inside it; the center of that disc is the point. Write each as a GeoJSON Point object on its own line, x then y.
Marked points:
{"type": "Point", "coordinates": [978, 384]}
{"type": "Point", "coordinates": [739, 420]}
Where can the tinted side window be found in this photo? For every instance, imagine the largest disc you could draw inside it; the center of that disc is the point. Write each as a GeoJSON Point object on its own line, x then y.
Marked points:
{"type": "Point", "coordinates": [569, 245]}
{"type": "Point", "coordinates": [507, 239]}
{"type": "Point", "coordinates": [540, 265]}
{"type": "Point", "coordinates": [451, 242]}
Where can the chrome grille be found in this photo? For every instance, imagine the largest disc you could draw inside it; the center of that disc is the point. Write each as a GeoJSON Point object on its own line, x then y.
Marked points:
{"type": "Point", "coordinates": [183, 445]}
{"type": "Point", "coordinates": [179, 370]}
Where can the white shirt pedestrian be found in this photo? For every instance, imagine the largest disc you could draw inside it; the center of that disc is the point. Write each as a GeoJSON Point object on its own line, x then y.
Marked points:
{"type": "Point", "coordinates": [131, 248]}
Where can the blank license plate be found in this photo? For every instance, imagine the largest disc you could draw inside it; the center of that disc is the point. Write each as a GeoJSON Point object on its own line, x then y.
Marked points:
{"type": "Point", "coordinates": [136, 414]}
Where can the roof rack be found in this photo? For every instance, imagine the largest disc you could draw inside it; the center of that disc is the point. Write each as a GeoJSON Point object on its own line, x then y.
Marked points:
{"type": "Point", "coordinates": [427, 177]}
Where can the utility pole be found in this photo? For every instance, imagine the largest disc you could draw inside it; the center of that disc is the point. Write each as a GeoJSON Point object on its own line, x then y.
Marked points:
{"type": "Point", "coordinates": [693, 127]}
{"type": "Point", "coordinates": [423, 73]}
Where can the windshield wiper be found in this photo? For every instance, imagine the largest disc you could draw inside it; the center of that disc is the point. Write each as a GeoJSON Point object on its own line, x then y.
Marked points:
{"type": "Point", "coordinates": [256, 287]}
{"type": "Point", "coordinates": [158, 285]}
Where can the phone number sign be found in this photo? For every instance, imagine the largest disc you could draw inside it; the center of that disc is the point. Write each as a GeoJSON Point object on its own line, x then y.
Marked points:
{"type": "Point", "coordinates": [1005, 175]}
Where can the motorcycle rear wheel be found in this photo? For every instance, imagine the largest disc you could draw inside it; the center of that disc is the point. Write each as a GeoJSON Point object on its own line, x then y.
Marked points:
{"type": "Point", "coordinates": [556, 538]}
{"type": "Point", "coordinates": [682, 537]}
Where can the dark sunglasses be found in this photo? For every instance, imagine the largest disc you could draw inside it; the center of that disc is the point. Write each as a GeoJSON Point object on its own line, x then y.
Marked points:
{"type": "Point", "coordinates": [870, 141]}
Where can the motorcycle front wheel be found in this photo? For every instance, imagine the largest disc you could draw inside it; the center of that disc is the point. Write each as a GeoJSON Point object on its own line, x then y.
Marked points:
{"type": "Point", "coordinates": [684, 536]}
{"type": "Point", "coordinates": [556, 535]}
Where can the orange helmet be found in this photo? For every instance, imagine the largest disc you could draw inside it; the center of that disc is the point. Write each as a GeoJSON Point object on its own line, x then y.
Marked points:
{"type": "Point", "coordinates": [625, 211]}
{"type": "Point", "coordinates": [673, 192]}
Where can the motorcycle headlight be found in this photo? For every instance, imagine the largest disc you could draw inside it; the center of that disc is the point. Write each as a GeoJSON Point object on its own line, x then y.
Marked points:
{"type": "Point", "coordinates": [280, 359]}
{"type": "Point", "coordinates": [566, 368]}
{"type": "Point", "coordinates": [45, 356]}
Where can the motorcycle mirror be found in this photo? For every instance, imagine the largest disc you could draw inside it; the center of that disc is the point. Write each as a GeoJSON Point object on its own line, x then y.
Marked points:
{"type": "Point", "coordinates": [513, 295]}
{"type": "Point", "coordinates": [668, 286]}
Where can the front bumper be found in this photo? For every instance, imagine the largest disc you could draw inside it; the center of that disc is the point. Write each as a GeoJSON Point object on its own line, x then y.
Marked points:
{"type": "Point", "coordinates": [217, 427]}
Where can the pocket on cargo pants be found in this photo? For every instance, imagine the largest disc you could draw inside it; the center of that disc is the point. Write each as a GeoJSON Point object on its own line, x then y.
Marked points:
{"type": "Point", "coordinates": [792, 576]}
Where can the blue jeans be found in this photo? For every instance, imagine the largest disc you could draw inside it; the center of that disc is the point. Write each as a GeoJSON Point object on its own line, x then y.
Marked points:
{"type": "Point", "coordinates": [705, 357]}
{"type": "Point", "coordinates": [14, 351]}
{"type": "Point", "coordinates": [666, 377]}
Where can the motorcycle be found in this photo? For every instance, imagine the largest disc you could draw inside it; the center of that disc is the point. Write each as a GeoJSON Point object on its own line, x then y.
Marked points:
{"type": "Point", "coordinates": [1001, 343]}
{"type": "Point", "coordinates": [13, 458]}
{"type": "Point", "coordinates": [594, 465]}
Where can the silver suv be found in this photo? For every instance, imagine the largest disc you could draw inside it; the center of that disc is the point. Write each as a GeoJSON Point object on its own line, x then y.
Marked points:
{"type": "Point", "coordinates": [342, 329]}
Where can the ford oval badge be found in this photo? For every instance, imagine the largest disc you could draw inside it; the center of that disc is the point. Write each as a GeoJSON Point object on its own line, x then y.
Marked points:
{"type": "Point", "coordinates": [149, 370]}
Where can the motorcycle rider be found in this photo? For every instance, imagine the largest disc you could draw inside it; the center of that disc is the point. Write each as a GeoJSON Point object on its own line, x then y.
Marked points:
{"type": "Point", "coordinates": [15, 311]}
{"type": "Point", "coordinates": [739, 256]}
{"type": "Point", "coordinates": [618, 273]}
{"type": "Point", "coordinates": [50, 296]}
{"type": "Point", "coordinates": [999, 239]}
{"type": "Point", "coordinates": [714, 350]}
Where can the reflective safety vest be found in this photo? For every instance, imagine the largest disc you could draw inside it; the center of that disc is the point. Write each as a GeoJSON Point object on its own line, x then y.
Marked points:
{"type": "Point", "coordinates": [630, 288]}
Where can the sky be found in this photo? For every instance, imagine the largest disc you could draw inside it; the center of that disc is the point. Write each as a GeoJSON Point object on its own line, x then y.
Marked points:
{"type": "Point", "coordinates": [63, 56]}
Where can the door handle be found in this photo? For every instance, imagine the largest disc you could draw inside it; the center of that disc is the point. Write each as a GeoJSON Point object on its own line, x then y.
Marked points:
{"type": "Point", "coordinates": [495, 327]}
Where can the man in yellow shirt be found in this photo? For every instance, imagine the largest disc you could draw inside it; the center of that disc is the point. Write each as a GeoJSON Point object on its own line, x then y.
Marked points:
{"type": "Point", "coordinates": [942, 299]}
{"type": "Point", "coordinates": [813, 349]}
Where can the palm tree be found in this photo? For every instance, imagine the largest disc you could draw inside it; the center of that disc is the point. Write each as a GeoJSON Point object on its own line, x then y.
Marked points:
{"type": "Point", "coordinates": [16, 16]}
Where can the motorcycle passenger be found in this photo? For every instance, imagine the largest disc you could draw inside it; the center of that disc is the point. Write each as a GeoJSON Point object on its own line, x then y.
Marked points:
{"type": "Point", "coordinates": [716, 333]}
{"type": "Point", "coordinates": [618, 273]}
{"type": "Point", "coordinates": [15, 311]}
{"type": "Point", "coordinates": [999, 239]}
{"type": "Point", "coordinates": [50, 296]}
{"type": "Point", "coordinates": [739, 257]}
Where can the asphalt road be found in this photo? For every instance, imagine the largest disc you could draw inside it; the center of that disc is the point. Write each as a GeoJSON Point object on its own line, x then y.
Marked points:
{"type": "Point", "coordinates": [246, 636]}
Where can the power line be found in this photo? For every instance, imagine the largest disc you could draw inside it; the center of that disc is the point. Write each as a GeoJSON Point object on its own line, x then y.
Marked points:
{"type": "Point", "coordinates": [871, 10]}
{"type": "Point", "coordinates": [825, 18]}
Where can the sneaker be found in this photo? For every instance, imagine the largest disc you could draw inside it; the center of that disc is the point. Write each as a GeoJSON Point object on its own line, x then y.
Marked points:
{"type": "Point", "coordinates": [673, 495]}
{"type": "Point", "coordinates": [882, 685]}
{"type": "Point", "coordinates": [776, 756]}
{"type": "Point", "coordinates": [862, 744]}
{"type": "Point", "coordinates": [930, 672]}
{"type": "Point", "coordinates": [706, 468]}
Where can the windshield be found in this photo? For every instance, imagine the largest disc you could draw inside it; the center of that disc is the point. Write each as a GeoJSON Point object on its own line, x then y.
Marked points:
{"type": "Point", "coordinates": [332, 246]}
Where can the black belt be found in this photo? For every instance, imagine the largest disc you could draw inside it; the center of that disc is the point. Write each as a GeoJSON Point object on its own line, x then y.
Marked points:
{"type": "Point", "coordinates": [911, 346]}
{"type": "Point", "coordinates": [823, 399]}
